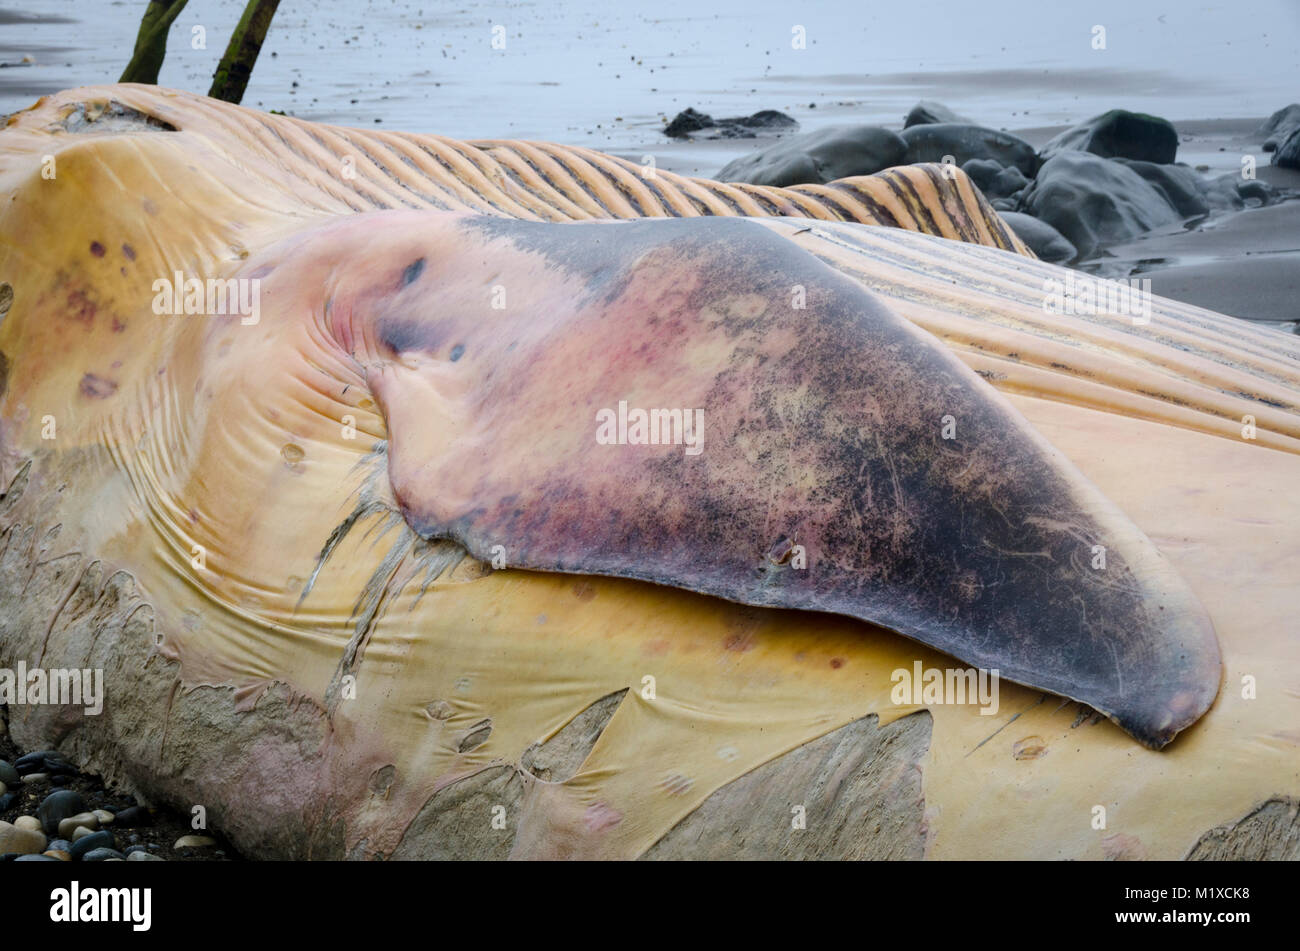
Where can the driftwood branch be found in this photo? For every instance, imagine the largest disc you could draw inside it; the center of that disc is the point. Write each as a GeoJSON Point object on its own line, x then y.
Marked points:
{"type": "Point", "coordinates": [231, 77]}
{"type": "Point", "coordinates": [151, 41]}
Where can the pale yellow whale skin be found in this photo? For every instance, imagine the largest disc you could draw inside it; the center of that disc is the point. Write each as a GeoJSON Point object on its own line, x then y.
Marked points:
{"type": "Point", "coordinates": [134, 492]}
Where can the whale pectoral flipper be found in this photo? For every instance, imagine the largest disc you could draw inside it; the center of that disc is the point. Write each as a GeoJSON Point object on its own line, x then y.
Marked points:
{"type": "Point", "coordinates": [675, 401]}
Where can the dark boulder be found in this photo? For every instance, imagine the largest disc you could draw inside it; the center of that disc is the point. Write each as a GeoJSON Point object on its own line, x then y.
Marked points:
{"type": "Point", "coordinates": [1192, 195]}
{"type": "Point", "coordinates": [1279, 126]}
{"type": "Point", "coordinates": [819, 157]}
{"type": "Point", "coordinates": [994, 180]}
{"type": "Point", "coordinates": [1044, 240]}
{"type": "Point", "coordinates": [1181, 186]}
{"type": "Point", "coordinates": [1096, 202]}
{"type": "Point", "coordinates": [961, 143]}
{"type": "Point", "coordinates": [1288, 153]}
{"type": "Point", "coordinates": [929, 112]}
{"type": "Point", "coordinates": [1120, 134]}
{"type": "Point", "coordinates": [739, 127]}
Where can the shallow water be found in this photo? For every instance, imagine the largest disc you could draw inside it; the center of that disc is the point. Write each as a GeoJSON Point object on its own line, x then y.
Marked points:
{"type": "Point", "coordinates": [607, 75]}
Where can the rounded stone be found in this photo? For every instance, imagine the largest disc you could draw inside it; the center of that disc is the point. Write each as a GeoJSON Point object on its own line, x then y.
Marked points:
{"type": "Point", "coordinates": [57, 806]}
{"type": "Point", "coordinates": [68, 827]}
{"type": "Point", "coordinates": [194, 842]}
{"type": "Point", "coordinates": [88, 843]}
{"type": "Point", "coordinates": [19, 840]}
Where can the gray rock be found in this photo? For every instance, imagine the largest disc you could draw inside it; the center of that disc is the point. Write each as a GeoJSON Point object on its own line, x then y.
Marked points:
{"type": "Point", "coordinates": [819, 157]}
{"type": "Point", "coordinates": [933, 143]}
{"type": "Point", "coordinates": [1120, 134]}
{"type": "Point", "coordinates": [132, 816]}
{"type": "Point", "coordinates": [33, 762]}
{"type": "Point", "coordinates": [88, 843]}
{"type": "Point", "coordinates": [993, 179]}
{"type": "Point", "coordinates": [101, 854]}
{"type": "Point", "coordinates": [689, 121]}
{"type": "Point", "coordinates": [929, 112]}
{"type": "Point", "coordinates": [1279, 126]}
{"type": "Point", "coordinates": [1095, 202]}
{"type": "Point", "coordinates": [981, 173]}
{"type": "Point", "coordinates": [57, 806]}
{"type": "Point", "coordinates": [1182, 187]}
{"type": "Point", "coordinates": [143, 856]}
{"type": "Point", "coordinates": [8, 775]}
{"type": "Point", "coordinates": [1288, 153]}
{"type": "Point", "coordinates": [1192, 195]}
{"type": "Point", "coordinates": [1044, 240]}
{"type": "Point", "coordinates": [37, 857]}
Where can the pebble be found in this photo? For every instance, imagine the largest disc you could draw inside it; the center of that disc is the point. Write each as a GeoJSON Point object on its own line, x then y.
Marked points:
{"type": "Point", "coordinates": [57, 806]}
{"type": "Point", "coordinates": [60, 767]}
{"type": "Point", "coordinates": [17, 839]}
{"type": "Point", "coordinates": [33, 762]}
{"type": "Point", "coordinates": [144, 857]}
{"type": "Point", "coordinates": [63, 855]}
{"type": "Point", "coordinates": [88, 843]}
{"type": "Point", "coordinates": [31, 779]}
{"type": "Point", "coordinates": [194, 842]}
{"type": "Point", "coordinates": [102, 855]}
{"type": "Point", "coordinates": [7, 800]}
{"type": "Point", "coordinates": [8, 774]}
{"type": "Point", "coordinates": [36, 857]}
{"type": "Point", "coordinates": [68, 826]}
{"type": "Point", "coordinates": [59, 845]}
{"type": "Point", "coordinates": [103, 815]}
{"type": "Point", "coordinates": [28, 822]}
{"type": "Point", "coordinates": [133, 816]}
{"type": "Point", "coordinates": [80, 832]}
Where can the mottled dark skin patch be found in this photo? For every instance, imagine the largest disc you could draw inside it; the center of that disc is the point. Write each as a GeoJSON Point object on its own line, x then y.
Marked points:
{"type": "Point", "coordinates": [822, 425]}
{"type": "Point", "coordinates": [80, 307]}
{"type": "Point", "coordinates": [401, 336]}
{"type": "Point", "coordinates": [128, 251]}
{"type": "Point", "coordinates": [97, 249]}
{"type": "Point", "coordinates": [457, 352]}
{"type": "Point", "coordinates": [96, 387]}
{"type": "Point", "coordinates": [412, 272]}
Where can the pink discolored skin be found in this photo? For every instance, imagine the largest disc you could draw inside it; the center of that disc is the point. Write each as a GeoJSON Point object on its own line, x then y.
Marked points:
{"type": "Point", "coordinates": [849, 463]}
